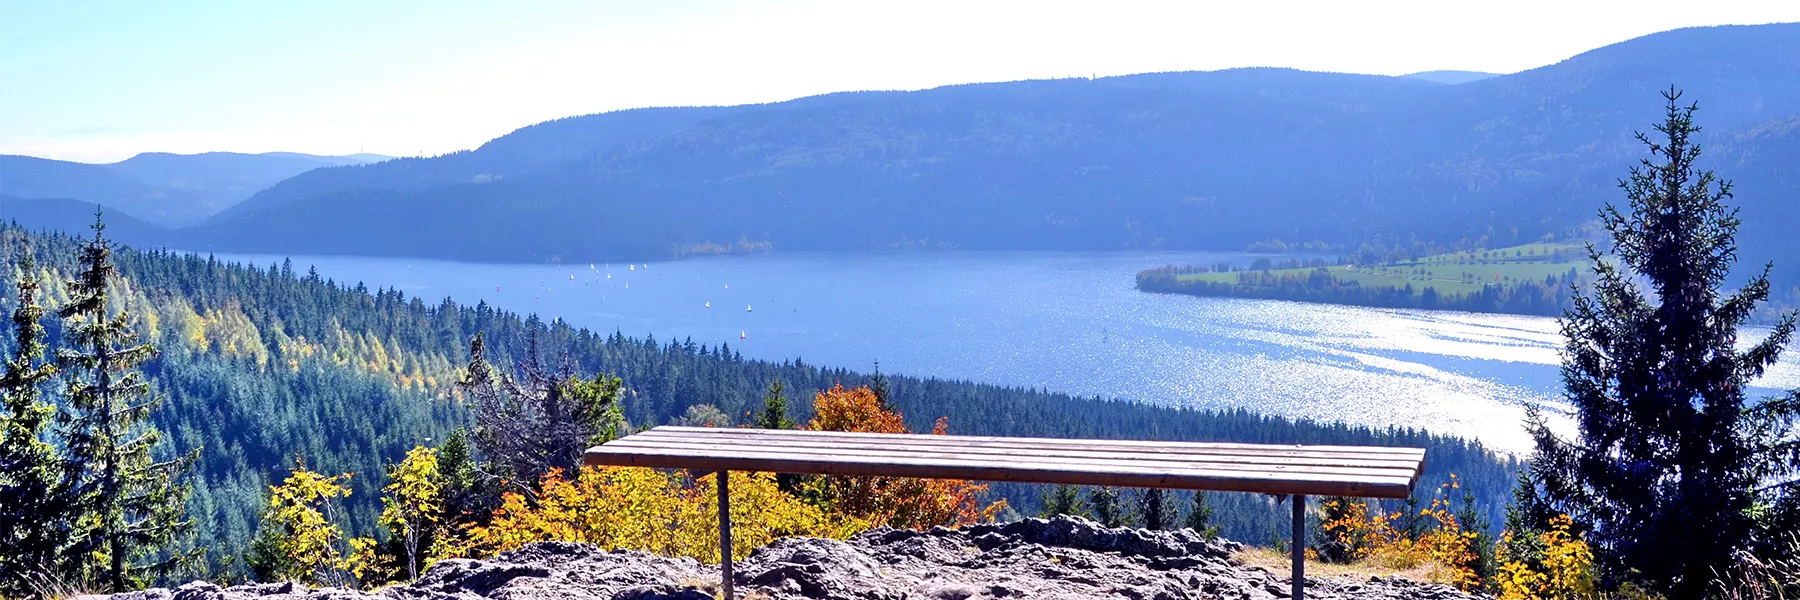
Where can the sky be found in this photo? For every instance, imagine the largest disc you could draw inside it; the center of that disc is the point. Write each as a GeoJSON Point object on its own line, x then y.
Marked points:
{"type": "Point", "coordinates": [99, 81]}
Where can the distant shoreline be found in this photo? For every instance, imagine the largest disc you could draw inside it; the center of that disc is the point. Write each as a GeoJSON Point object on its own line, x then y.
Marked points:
{"type": "Point", "coordinates": [1533, 279]}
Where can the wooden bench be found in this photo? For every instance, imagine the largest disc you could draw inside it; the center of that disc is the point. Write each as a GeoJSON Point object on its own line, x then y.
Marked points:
{"type": "Point", "coordinates": [1284, 470]}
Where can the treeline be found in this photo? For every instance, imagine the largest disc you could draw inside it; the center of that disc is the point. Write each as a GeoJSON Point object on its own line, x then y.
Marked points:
{"type": "Point", "coordinates": [1548, 297]}
{"type": "Point", "coordinates": [261, 367]}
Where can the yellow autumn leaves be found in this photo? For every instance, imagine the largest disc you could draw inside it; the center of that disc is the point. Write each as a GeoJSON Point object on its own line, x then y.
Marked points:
{"type": "Point", "coordinates": [665, 512]}
{"type": "Point", "coordinates": [1447, 551]}
{"type": "Point", "coordinates": [1566, 573]}
{"type": "Point", "coordinates": [1444, 547]}
{"type": "Point", "coordinates": [301, 541]}
{"type": "Point", "coordinates": [661, 512]}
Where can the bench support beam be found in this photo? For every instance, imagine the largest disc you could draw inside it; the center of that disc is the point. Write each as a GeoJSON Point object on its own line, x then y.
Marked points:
{"type": "Point", "coordinates": [725, 535]}
{"type": "Point", "coordinates": [1298, 546]}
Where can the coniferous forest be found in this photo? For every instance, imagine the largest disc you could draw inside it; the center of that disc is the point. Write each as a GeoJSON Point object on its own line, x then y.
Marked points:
{"type": "Point", "coordinates": [256, 370]}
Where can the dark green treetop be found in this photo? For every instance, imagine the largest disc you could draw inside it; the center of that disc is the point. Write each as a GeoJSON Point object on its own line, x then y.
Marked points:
{"type": "Point", "coordinates": [1154, 511]}
{"type": "Point", "coordinates": [774, 413]}
{"type": "Point", "coordinates": [1199, 516]}
{"type": "Point", "coordinates": [1063, 500]}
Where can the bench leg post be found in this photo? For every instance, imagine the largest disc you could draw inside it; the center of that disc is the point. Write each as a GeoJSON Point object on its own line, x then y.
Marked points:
{"type": "Point", "coordinates": [725, 534]}
{"type": "Point", "coordinates": [1299, 546]}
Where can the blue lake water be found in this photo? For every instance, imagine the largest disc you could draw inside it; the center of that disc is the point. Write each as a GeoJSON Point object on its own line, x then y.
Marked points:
{"type": "Point", "coordinates": [1070, 322]}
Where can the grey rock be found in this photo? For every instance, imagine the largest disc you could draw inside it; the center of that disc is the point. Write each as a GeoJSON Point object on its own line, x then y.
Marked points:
{"type": "Point", "coordinates": [1055, 559]}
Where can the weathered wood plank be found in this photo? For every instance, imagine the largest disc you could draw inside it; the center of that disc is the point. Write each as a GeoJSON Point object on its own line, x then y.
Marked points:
{"type": "Point", "coordinates": [945, 452]}
{"type": "Point", "coordinates": [949, 443]}
{"type": "Point", "coordinates": [1022, 470]}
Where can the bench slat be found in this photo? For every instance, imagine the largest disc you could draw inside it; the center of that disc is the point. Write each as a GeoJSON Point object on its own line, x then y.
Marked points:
{"type": "Point", "coordinates": [1022, 469]}
{"type": "Point", "coordinates": [1280, 456]}
{"type": "Point", "coordinates": [1111, 458]}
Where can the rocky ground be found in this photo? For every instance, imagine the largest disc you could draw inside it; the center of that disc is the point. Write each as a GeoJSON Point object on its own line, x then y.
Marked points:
{"type": "Point", "coordinates": [1062, 558]}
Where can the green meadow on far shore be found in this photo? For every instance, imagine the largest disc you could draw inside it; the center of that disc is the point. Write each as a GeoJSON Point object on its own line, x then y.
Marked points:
{"type": "Point", "coordinates": [1527, 279]}
{"type": "Point", "coordinates": [1453, 273]}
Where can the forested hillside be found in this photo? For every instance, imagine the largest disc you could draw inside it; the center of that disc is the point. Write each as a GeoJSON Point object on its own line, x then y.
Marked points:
{"type": "Point", "coordinates": [263, 366]}
{"type": "Point", "coordinates": [1197, 160]}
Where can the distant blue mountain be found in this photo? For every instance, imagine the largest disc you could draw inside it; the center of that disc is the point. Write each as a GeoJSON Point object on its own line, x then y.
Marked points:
{"type": "Point", "coordinates": [162, 187]}
{"type": "Point", "coordinates": [1200, 160]}
{"type": "Point", "coordinates": [1450, 77]}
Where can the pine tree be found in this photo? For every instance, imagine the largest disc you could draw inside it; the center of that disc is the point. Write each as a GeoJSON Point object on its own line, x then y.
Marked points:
{"type": "Point", "coordinates": [1153, 509]}
{"type": "Point", "coordinates": [879, 384]}
{"type": "Point", "coordinates": [1672, 466]}
{"type": "Point", "coordinates": [1063, 500]}
{"type": "Point", "coordinates": [1199, 516]}
{"type": "Point", "coordinates": [457, 477]}
{"type": "Point", "coordinates": [466, 499]}
{"type": "Point", "coordinates": [1527, 518]}
{"type": "Point", "coordinates": [30, 513]}
{"type": "Point", "coordinates": [1107, 507]}
{"type": "Point", "coordinates": [774, 413]}
{"type": "Point", "coordinates": [129, 507]}
{"type": "Point", "coordinates": [1480, 537]}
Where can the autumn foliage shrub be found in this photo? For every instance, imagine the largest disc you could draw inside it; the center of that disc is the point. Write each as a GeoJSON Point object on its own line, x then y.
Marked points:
{"type": "Point", "coordinates": [300, 539]}
{"type": "Point", "coordinates": [899, 502]}
{"type": "Point", "coordinates": [656, 511]}
{"type": "Point", "coordinates": [1358, 531]}
{"type": "Point", "coordinates": [1564, 571]}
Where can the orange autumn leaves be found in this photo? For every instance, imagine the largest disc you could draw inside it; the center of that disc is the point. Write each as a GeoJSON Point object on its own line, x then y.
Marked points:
{"type": "Point", "coordinates": [668, 513]}
{"type": "Point", "coordinates": [896, 501]}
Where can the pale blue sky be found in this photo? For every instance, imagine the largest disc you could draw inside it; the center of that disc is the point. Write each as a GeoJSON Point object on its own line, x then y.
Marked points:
{"type": "Point", "coordinates": [99, 81]}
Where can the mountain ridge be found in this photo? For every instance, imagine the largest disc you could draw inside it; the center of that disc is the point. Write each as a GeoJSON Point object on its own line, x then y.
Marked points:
{"type": "Point", "coordinates": [161, 187]}
{"type": "Point", "coordinates": [1166, 160]}
{"type": "Point", "coordinates": [1183, 160]}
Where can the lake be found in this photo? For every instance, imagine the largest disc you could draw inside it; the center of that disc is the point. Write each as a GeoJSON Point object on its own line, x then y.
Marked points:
{"type": "Point", "coordinates": [1069, 322]}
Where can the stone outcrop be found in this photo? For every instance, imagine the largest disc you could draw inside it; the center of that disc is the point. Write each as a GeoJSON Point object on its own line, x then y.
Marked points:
{"type": "Point", "coordinates": [1062, 558]}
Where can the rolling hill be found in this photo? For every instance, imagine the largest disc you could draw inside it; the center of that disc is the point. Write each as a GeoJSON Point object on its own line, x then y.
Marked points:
{"type": "Point", "coordinates": [67, 214]}
{"type": "Point", "coordinates": [169, 189]}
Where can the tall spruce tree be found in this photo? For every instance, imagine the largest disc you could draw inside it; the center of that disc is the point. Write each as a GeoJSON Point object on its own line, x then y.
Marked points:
{"type": "Point", "coordinates": [458, 478]}
{"type": "Point", "coordinates": [1108, 507]}
{"type": "Point", "coordinates": [1063, 499]}
{"type": "Point", "coordinates": [774, 413]}
{"type": "Point", "coordinates": [1154, 510]}
{"type": "Point", "coordinates": [880, 384]}
{"type": "Point", "coordinates": [1199, 516]}
{"type": "Point", "coordinates": [31, 514]}
{"type": "Point", "coordinates": [1673, 465]}
{"type": "Point", "coordinates": [129, 508]}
